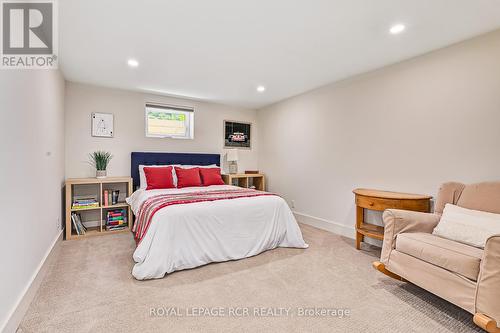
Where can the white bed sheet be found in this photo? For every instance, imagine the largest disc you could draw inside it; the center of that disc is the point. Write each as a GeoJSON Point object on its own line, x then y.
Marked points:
{"type": "Point", "coordinates": [190, 235]}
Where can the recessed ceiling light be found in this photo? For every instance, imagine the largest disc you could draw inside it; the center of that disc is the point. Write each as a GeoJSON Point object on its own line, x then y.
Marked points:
{"type": "Point", "coordinates": [397, 29]}
{"type": "Point", "coordinates": [261, 89]}
{"type": "Point", "coordinates": [133, 63]}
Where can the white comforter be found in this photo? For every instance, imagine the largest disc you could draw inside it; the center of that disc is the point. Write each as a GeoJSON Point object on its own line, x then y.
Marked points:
{"type": "Point", "coordinates": [191, 235]}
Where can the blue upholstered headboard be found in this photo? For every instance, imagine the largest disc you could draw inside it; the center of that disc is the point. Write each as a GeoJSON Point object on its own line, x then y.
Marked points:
{"type": "Point", "coordinates": [168, 158]}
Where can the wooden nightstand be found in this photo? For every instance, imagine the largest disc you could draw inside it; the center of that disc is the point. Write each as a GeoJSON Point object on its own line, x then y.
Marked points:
{"type": "Point", "coordinates": [96, 214]}
{"type": "Point", "coordinates": [246, 180]}
{"type": "Point", "coordinates": [382, 200]}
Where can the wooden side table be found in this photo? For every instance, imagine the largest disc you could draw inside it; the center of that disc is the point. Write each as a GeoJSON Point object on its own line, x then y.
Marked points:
{"type": "Point", "coordinates": [380, 201]}
{"type": "Point", "coordinates": [242, 180]}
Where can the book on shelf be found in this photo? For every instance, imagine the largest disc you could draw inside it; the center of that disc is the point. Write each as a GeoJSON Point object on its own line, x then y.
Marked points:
{"type": "Point", "coordinates": [119, 222]}
{"type": "Point", "coordinates": [110, 197]}
{"type": "Point", "coordinates": [76, 206]}
{"type": "Point", "coordinates": [77, 224]}
{"type": "Point", "coordinates": [110, 214]}
{"type": "Point", "coordinates": [115, 228]}
{"type": "Point", "coordinates": [85, 198]}
{"type": "Point", "coordinates": [116, 219]}
{"type": "Point", "coordinates": [114, 197]}
{"type": "Point", "coordinates": [73, 219]}
{"type": "Point", "coordinates": [84, 202]}
{"type": "Point", "coordinates": [116, 212]}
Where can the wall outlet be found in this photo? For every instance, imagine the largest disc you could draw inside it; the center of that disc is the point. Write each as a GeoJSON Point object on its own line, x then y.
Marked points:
{"type": "Point", "coordinates": [58, 223]}
{"type": "Point", "coordinates": [292, 203]}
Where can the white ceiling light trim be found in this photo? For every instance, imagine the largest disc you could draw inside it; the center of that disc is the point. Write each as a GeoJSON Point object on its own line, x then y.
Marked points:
{"type": "Point", "coordinates": [397, 29]}
{"type": "Point", "coordinates": [261, 89]}
{"type": "Point", "coordinates": [133, 63]}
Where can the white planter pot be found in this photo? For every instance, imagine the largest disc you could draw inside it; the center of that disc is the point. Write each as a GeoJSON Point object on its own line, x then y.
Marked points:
{"type": "Point", "coordinates": [100, 173]}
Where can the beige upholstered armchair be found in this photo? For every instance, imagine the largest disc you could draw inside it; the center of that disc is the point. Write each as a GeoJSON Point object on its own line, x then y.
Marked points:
{"type": "Point", "coordinates": [466, 276]}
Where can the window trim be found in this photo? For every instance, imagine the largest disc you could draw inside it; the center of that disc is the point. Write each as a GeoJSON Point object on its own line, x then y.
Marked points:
{"type": "Point", "coordinates": [188, 110]}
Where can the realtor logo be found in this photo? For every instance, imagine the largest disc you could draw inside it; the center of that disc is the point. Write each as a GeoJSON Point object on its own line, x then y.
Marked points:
{"type": "Point", "coordinates": [28, 34]}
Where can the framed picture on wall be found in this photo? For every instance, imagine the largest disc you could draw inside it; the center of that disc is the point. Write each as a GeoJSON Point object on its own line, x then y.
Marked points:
{"type": "Point", "coordinates": [102, 124]}
{"type": "Point", "coordinates": [237, 134]}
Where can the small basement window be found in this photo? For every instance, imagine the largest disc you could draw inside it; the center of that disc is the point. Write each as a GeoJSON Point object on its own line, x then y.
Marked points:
{"type": "Point", "coordinates": [163, 121]}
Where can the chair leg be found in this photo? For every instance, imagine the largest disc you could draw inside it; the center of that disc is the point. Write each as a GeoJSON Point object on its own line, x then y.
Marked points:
{"type": "Point", "coordinates": [486, 323]}
{"type": "Point", "coordinates": [381, 268]}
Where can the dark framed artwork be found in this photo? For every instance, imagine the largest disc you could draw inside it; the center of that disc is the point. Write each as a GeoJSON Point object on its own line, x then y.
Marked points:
{"type": "Point", "coordinates": [237, 134]}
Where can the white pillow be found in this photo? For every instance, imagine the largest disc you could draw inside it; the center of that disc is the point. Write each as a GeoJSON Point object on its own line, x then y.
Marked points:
{"type": "Point", "coordinates": [472, 227]}
{"type": "Point", "coordinates": [143, 184]}
{"type": "Point", "coordinates": [185, 166]}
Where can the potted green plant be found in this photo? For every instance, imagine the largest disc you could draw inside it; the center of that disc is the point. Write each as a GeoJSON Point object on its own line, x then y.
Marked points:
{"type": "Point", "coordinates": [100, 160]}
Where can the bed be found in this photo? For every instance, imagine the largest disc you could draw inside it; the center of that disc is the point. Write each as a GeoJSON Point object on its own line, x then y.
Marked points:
{"type": "Point", "coordinates": [237, 224]}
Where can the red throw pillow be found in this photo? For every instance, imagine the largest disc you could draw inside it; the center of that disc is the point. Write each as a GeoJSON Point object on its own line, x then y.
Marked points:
{"type": "Point", "coordinates": [188, 177]}
{"type": "Point", "coordinates": [159, 177]}
{"type": "Point", "coordinates": [211, 176]}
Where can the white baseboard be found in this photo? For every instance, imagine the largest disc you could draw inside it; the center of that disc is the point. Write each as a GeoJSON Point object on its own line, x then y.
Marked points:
{"type": "Point", "coordinates": [336, 228]}
{"type": "Point", "coordinates": [318, 222]}
{"type": "Point", "coordinates": [17, 313]}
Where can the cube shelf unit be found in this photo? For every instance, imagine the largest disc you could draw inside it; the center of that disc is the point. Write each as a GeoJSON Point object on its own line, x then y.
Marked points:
{"type": "Point", "coordinates": [96, 187]}
{"type": "Point", "coordinates": [246, 180]}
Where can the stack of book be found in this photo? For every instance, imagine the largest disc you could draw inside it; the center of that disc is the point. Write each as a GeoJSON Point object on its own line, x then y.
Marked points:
{"type": "Point", "coordinates": [77, 224]}
{"type": "Point", "coordinates": [110, 197]}
{"type": "Point", "coordinates": [83, 203]}
{"type": "Point", "coordinates": [116, 219]}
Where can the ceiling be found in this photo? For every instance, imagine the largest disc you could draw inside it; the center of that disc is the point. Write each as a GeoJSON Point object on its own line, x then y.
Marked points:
{"type": "Point", "coordinates": [221, 50]}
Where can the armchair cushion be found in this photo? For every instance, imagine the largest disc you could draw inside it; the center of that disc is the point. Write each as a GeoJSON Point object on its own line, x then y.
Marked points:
{"type": "Point", "coordinates": [450, 255]}
{"type": "Point", "coordinates": [398, 221]}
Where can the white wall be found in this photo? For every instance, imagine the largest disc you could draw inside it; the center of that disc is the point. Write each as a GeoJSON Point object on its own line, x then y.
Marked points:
{"type": "Point", "coordinates": [31, 177]}
{"type": "Point", "coordinates": [407, 127]}
{"type": "Point", "coordinates": [129, 134]}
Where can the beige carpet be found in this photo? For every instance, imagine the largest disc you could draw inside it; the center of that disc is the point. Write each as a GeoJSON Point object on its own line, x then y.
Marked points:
{"type": "Point", "coordinates": [89, 288]}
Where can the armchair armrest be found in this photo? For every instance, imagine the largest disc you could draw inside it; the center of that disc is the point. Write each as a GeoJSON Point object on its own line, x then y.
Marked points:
{"type": "Point", "coordinates": [398, 221]}
{"type": "Point", "coordinates": [488, 283]}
